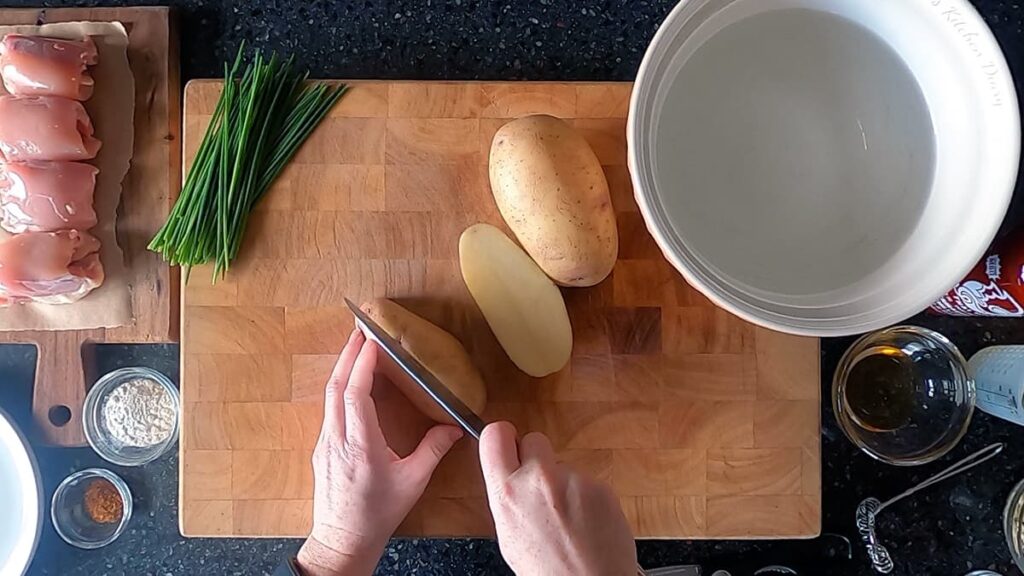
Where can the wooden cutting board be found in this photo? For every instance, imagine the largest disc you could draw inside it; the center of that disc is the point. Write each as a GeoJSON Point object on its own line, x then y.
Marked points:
{"type": "Point", "coordinates": [706, 426]}
{"type": "Point", "coordinates": [148, 191]}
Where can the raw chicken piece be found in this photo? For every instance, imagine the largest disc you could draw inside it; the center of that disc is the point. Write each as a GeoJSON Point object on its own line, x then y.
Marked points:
{"type": "Point", "coordinates": [49, 267]}
{"type": "Point", "coordinates": [45, 128]}
{"type": "Point", "coordinates": [38, 66]}
{"type": "Point", "coordinates": [39, 196]}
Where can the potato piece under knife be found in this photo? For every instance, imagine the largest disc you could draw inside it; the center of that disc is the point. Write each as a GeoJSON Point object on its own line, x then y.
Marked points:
{"type": "Point", "coordinates": [437, 350]}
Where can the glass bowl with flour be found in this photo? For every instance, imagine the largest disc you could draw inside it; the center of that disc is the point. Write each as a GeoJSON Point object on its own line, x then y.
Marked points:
{"type": "Point", "coordinates": [131, 416]}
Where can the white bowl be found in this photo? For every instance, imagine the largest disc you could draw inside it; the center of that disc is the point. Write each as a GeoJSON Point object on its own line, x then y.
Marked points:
{"type": "Point", "coordinates": [823, 167]}
{"type": "Point", "coordinates": [21, 511]}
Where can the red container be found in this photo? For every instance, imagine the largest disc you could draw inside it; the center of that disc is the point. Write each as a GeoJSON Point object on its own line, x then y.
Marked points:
{"type": "Point", "coordinates": [995, 287]}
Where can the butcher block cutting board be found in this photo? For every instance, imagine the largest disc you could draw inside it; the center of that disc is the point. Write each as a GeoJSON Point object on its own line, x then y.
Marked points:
{"type": "Point", "coordinates": [148, 190]}
{"type": "Point", "coordinates": [706, 426]}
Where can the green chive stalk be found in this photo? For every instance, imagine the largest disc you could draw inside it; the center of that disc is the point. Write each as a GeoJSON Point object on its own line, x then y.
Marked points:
{"type": "Point", "coordinates": [265, 113]}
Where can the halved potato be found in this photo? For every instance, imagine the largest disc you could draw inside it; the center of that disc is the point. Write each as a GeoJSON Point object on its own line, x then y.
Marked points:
{"type": "Point", "coordinates": [437, 350]}
{"type": "Point", "coordinates": [523, 307]}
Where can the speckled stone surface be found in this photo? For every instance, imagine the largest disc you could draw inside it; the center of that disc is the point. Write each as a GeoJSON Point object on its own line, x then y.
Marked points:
{"type": "Point", "coordinates": [950, 529]}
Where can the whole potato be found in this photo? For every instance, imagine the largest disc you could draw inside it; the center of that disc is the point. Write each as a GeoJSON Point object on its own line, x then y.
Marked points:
{"type": "Point", "coordinates": [551, 190]}
{"type": "Point", "coordinates": [437, 350]}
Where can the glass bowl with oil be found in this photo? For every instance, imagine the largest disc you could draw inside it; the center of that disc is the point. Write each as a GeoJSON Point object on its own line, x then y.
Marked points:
{"type": "Point", "coordinates": [903, 395]}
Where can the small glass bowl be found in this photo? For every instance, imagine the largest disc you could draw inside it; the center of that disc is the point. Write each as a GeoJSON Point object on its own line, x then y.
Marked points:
{"type": "Point", "coordinates": [99, 437]}
{"type": "Point", "coordinates": [1013, 524]}
{"type": "Point", "coordinates": [70, 518]}
{"type": "Point", "coordinates": [903, 395]}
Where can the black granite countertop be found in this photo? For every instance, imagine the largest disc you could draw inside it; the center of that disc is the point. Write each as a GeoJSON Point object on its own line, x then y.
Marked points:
{"type": "Point", "coordinates": [949, 529]}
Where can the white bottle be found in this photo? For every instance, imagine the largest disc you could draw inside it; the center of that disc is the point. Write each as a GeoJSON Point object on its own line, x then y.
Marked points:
{"type": "Point", "coordinates": [998, 374]}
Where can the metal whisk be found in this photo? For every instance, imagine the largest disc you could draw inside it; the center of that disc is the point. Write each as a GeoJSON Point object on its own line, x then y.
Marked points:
{"type": "Point", "coordinates": [869, 508]}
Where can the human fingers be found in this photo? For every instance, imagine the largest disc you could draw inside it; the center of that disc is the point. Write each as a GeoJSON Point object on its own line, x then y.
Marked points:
{"type": "Point", "coordinates": [499, 455]}
{"type": "Point", "coordinates": [361, 425]}
{"type": "Point", "coordinates": [536, 447]}
{"type": "Point", "coordinates": [334, 410]}
{"type": "Point", "coordinates": [420, 465]}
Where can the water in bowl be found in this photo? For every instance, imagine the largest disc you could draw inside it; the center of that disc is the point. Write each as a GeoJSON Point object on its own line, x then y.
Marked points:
{"type": "Point", "coordinates": [799, 150]}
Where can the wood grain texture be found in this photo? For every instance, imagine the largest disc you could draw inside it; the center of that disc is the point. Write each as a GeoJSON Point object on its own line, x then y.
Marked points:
{"type": "Point", "coordinates": [705, 426]}
{"type": "Point", "coordinates": [148, 191]}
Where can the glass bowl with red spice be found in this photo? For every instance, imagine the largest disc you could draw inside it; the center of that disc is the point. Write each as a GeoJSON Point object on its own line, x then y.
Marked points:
{"type": "Point", "coordinates": [90, 508]}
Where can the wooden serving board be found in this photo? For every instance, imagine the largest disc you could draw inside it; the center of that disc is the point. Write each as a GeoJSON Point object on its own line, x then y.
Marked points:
{"type": "Point", "coordinates": [706, 426]}
{"type": "Point", "coordinates": [148, 191]}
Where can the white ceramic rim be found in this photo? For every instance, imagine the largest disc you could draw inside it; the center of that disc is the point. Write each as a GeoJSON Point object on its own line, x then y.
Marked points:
{"type": "Point", "coordinates": [999, 171]}
{"type": "Point", "coordinates": [29, 487]}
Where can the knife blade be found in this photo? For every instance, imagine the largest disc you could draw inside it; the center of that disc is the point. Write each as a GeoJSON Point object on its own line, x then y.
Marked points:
{"type": "Point", "coordinates": [424, 378]}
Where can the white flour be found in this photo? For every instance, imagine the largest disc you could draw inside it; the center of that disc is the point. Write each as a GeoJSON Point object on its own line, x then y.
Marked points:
{"type": "Point", "coordinates": [139, 413]}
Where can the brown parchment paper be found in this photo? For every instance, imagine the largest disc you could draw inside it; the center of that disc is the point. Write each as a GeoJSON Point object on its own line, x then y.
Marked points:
{"type": "Point", "coordinates": [112, 109]}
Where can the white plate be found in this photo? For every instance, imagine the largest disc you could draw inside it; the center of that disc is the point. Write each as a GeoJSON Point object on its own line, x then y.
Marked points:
{"type": "Point", "coordinates": [20, 504]}
{"type": "Point", "coordinates": [824, 167]}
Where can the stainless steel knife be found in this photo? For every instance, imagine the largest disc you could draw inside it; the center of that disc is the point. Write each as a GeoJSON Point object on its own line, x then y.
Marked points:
{"type": "Point", "coordinates": [424, 378]}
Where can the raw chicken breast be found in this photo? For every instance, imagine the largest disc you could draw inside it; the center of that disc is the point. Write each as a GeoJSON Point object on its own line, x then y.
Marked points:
{"type": "Point", "coordinates": [37, 66]}
{"type": "Point", "coordinates": [45, 128]}
{"type": "Point", "coordinates": [40, 196]}
{"type": "Point", "coordinates": [49, 267]}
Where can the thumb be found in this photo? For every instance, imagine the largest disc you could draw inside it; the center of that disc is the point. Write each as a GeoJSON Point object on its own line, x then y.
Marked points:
{"type": "Point", "coordinates": [419, 466]}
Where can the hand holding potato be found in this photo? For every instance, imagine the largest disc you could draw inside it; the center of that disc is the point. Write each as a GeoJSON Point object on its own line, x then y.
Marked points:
{"type": "Point", "coordinates": [362, 490]}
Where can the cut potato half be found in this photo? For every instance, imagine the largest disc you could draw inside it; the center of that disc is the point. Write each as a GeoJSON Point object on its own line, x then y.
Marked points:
{"type": "Point", "coordinates": [522, 305]}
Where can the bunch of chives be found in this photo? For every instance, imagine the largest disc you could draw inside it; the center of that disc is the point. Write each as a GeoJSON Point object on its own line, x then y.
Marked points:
{"type": "Point", "coordinates": [262, 118]}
